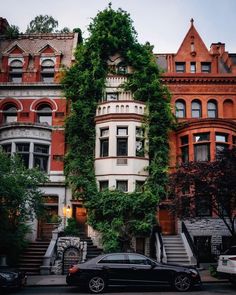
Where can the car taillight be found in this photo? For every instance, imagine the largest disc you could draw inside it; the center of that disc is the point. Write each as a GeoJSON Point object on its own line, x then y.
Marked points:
{"type": "Point", "coordinates": [232, 258]}
{"type": "Point", "coordinates": [73, 269]}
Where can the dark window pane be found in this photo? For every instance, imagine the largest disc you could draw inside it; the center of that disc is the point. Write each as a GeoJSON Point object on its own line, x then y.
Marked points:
{"type": "Point", "coordinates": [203, 206]}
{"type": "Point", "coordinates": [184, 140]}
{"type": "Point", "coordinates": [206, 67]}
{"type": "Point", "coordinates": [103, 185]}
{"type": "Point", "coordinates": [180, 67]}
{"type": "Point", "coordinates": [122, 146]}
{"type": "Point", "coordinates": [122, 185]}
{"type": "Point", "coordinates": [185, 154]}
{"type": "Point", "coordinates": [114, 258]}
{"type": "Point", "coordinates": [104, 147]}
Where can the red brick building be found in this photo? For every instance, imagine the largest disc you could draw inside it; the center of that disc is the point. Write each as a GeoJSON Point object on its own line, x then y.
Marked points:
{"type": "Point", "coordinates": [203, 87]}
{"type": "Point", "coordinates": [33, 109]}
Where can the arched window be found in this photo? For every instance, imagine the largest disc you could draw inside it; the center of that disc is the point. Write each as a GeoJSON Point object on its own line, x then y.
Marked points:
{"type": "Point", "coordinates": [9, 113]}
{"type": "Point", "coordinates": [196, 108]}
{"type": "Point", "coordinates": [47, 70]}
{"type": "Point", "coordinates": [212, 109]}
{"type": "Point", "coordinates": [180, 109]}
{"type": "Point", "coordinates": [44, 114]}
{"type": "Point", "coordinates": [15, 72]}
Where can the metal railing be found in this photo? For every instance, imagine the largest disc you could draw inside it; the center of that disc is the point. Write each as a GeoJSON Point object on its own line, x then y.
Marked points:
{"type": "Point", "coordinates": [190, 242]}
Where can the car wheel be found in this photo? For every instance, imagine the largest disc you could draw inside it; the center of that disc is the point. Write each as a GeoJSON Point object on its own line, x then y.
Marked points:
{"type": "Point", "coordinates": [97, 285]}
{"type": "Point", "coordinates": [182, 282]}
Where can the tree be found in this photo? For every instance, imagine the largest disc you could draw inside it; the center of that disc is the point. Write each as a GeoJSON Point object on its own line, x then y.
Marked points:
{"type": "Point", "coordinates": [42, 24]}
{"type": "Point", "coordinates": [12, 32]}
{"type": "Point", "coordinates": [20, 202]}
{"type": "Point", "coordinates": [112, 32]}
{"type": "Point", "coordinates": [200, 186]}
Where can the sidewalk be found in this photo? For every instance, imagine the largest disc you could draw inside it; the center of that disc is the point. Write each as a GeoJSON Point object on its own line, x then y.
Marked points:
{"type": "Point", "coordinates": [60, 280]}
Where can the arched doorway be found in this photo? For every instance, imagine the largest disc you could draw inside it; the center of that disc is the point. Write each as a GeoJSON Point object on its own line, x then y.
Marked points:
{"type": "Point", "coordinates": [71, 256]}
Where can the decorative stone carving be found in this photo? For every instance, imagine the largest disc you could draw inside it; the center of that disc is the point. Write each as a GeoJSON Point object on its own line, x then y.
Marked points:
{"type": "Point", "coordinates": [71, 248]}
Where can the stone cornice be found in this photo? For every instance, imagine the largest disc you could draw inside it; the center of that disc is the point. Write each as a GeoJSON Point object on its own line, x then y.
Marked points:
{"type": "Point", "coordinates": [207, 122]}
{"type": "Point", "coordinates": [222, 79]}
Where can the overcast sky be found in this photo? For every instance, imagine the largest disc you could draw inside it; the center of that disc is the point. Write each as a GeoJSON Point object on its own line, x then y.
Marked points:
{"type": "Point", "coordinates": [163, 23]}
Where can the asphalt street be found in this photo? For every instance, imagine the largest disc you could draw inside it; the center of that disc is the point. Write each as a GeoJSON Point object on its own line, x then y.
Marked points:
{"type": "Point", "coordinates": [207, 289]}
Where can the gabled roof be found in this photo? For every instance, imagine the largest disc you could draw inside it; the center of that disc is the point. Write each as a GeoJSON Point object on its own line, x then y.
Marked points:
{"type": "Point", "coordinates": [15, 48]}
{"type": "Point", "coordinates": [192, 44]}
{"type": "Point", "coordinates": [48, 48]}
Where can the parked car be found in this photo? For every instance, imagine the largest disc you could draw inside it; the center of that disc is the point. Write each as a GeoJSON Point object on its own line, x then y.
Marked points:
{"type": "Point", "coordinates": [227, 264]}
{"type": "Point", "coordinates": [130, 269]}
{"type": "Point", "coordinates": [12, 278]}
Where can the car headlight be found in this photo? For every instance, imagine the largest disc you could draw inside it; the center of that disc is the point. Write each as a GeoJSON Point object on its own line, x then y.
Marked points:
{"type": "Point", "coordinates": [7, 276]}
{"type": "Point", "coordinates": [194, 272]}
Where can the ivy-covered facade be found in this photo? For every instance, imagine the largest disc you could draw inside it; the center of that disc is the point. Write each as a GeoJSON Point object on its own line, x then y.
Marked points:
{"type": "Point", "coordinates": [117, 131]}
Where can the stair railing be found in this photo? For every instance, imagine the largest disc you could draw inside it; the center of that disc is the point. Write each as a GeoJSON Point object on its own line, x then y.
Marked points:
{"type": "Point", "coordinates": [50, 255]}
{"type": "Point", "coordinates": [190, 242]}
{"type": "Point", "coordinates": [159, 246]}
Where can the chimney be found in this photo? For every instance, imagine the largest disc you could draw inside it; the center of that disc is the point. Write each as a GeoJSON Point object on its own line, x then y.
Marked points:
{"type": "Point", "coordinates": [217, 48]}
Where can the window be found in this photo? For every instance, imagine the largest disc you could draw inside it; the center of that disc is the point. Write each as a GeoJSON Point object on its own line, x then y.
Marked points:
{"type": "Point", "coordinates": [6, 148]}
{"type": "Point", "coordinates": [205, 67]}
{"type": "Point", "coordinates": [104, 142]}
{"type": "Point", "coordinates": [201, 137]}
{"type": "Point", "coordinates": [184, 149]}
{"type": "Point", "coordinates": [192, 67]}
{"type": "Point", "coordinates": [180, 109]}
{"type": "Point", "coordinates": [139, 142]}
{"type": "Point", "coordinates": [203, 206]}
{"type": "Point", "coordinates": [44, 114]}
{"type": "Point", "coordinates": [114, 258]}
{"type": "Point", "coordinates": [122, 141]}
{"type": "Point", "coordinates": [202, 147]}
{"type": "Point", "coordinates": [103, 185]}
{"type": "Point", "coordinates": [111, 96]}
{"type": "Point", "coordinates": [180, 67]}
{"type": "Point", "coordinates": [221, 143]}
{"type": "Point", "coordinates": [122, 185]}
{"type": "Point", "coordinates": [212, 109]}
{"type": "Point", "coordinates": [121, 68]}
{"type": "Point", "coordinates": [222, 137]}
{"type": "Point", "coordinates": [139, 186]}
{"type": "Point", "coordinates": [47, 70]}
{"type": "Point", "coordinates": [40, 157]}
{"type": "Point", "coordinates": [196, 109]}
{"type": "Point", "coordinates": [9, 113]}
{"type": "Point", "coordinates": [234, 140]}
{"type": "Point", "coordinates": [23, 150]}
{"type": "Point", "coordinates": [138, 259]}
{"type": "Point", "coordinates": [16, 70]}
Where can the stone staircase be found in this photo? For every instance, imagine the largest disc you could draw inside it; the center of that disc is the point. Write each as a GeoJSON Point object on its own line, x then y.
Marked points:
{"type": "Point", "coordinates": [92, 250]}
{"type": "Point", "coordinates": [175, 250]}
{"type": "Point", "coordinates": [31, 259]}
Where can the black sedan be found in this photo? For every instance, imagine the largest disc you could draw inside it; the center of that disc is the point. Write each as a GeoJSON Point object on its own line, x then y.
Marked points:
{"type": "Point", "coordinates": [130, 269]}
{"type": "Point", "coordinates": [11, 278]}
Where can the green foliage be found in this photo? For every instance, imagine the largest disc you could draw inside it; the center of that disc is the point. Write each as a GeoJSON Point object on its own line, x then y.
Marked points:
{"type": "Point", "coordinates": [207, 185]}
{"type": "Point", "coordinates": [71, 229]}
{"type": "Point", "coordinates": [20, 201]}
{"type": "Point", "coordinates": [117, 215]}
{"type": "Point", "coordinates": [42, 24]}
{"type": "Point", "coordinates": [12, 32]}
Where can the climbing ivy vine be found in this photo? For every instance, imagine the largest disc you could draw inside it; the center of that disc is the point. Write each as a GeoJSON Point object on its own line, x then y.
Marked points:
{"type": "Point", "coordinates": [117, 215]}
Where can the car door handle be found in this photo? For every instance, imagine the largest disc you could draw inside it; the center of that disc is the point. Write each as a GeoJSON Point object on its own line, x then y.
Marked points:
{"type": "Point", "coordinates": [134, 268]}
{"type": "Point", "coordinates": [105, 267]}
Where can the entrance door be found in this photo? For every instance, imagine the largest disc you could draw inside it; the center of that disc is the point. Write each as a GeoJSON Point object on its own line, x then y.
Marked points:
{"type": "Point", "coordinates": [80, 214]}
{"type": "Point", "coordinates": [167, 221]}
